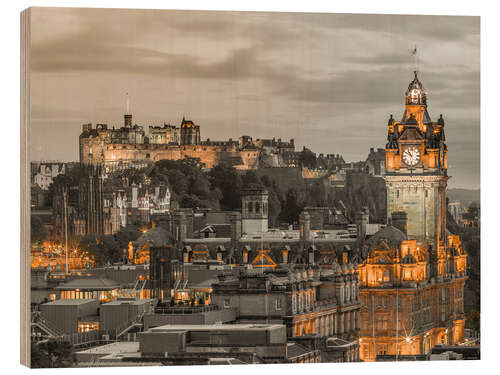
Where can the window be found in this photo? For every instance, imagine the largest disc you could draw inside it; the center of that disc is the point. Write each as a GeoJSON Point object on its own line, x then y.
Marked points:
{"type": "Point", "coordinates": [88, 326]}
{"type": "Point", "coordinates": [365, 350]}
{"type": "Point", "coordinates": [227, 303]}
{"type": "Point", "coordinates": [382, 349]}
{"type": "Point", "coordinates": [382, 322]}
{"type": "Point", "coordinates": [278, 304]}
{"type": "Point", "coordinates": [386, 276]}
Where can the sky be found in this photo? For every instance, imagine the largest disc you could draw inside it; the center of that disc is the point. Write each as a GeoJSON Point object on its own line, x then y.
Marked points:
{"type": "Point", "coordinates": [329, 81]}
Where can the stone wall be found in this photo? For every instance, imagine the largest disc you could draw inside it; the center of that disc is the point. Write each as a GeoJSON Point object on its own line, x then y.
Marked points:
{"type": "Point", "coordinates": [209, 155]}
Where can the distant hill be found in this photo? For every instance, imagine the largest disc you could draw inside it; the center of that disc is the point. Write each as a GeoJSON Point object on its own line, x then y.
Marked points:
{"type": "Point", "coordinates": [464, 196]}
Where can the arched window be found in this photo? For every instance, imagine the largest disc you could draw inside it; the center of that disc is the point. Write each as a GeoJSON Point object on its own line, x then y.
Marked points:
{"type": "Point", "coordinates": [257, 207]}
{"type": "Point", "coordinates": [250, 206]}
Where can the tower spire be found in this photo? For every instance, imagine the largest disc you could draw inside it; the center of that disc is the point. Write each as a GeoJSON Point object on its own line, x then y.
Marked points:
{"type": "Point", "coordinates": [128, 104]}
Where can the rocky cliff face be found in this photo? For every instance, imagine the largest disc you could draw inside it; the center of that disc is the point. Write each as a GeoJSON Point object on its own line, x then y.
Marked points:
{"type": "Point", "coordinates": [362, 190]}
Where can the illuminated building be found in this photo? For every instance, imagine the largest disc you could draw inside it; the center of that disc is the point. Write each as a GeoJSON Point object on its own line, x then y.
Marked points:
{"type": "Point", "coordinates": [413, 276]}
{"type": "Point", "coordinates": [128, 146]}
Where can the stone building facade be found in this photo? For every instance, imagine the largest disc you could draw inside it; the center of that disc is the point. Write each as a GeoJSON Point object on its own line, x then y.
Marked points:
{"type": "Point", "coordinates": [413, 273]}
{"type": "Point", "coordinates": [168, 134]}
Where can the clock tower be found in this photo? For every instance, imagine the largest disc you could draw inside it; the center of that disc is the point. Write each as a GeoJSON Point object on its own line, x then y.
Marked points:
{"type": "Point", "coordinates": [416, 172]}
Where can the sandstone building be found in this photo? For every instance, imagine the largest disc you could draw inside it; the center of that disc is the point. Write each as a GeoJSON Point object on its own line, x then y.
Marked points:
{"type": "Point", "coordinates": [413, 275]}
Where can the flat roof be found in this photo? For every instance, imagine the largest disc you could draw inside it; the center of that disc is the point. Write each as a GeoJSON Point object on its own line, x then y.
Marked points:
{"type": "Point", "coordinates": [207, 240]}
{"type": "Point", "coordinates": [128, 302]}
{"type": "Point", "coordinates": [70, 302]}
{"type": "Point", "coordinates": [215, 327]}
{"type": "Point", "coordinates": [115, 347]}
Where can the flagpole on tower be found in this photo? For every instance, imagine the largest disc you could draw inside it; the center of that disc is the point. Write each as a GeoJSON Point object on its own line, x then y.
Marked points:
{"type": "Point", "coordinates": [415, 57]}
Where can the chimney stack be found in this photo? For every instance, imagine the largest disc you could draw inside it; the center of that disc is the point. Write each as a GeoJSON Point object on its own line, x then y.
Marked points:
{"type": "Point", "coordinates": [305, 226]}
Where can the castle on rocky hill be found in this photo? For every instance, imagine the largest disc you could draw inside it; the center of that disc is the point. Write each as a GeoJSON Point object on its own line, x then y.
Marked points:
{"type": "Point", "coordinates": [130, 146]}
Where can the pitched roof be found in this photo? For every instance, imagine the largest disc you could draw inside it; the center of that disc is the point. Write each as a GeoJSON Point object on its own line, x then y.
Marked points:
{"type": "Point", "coordinates": [411, 133]}
{"type": "Point", "coordinates": [295, 350]}
{"type": "Point", "coordinates": [391, 234]}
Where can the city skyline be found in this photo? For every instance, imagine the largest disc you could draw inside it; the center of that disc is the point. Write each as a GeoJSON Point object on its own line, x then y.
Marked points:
{"type": "Point", "coordinates": [329, 81]}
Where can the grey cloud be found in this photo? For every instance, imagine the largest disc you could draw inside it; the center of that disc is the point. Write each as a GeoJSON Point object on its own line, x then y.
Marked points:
{"type": "Point", "coordinates": [327, 80]}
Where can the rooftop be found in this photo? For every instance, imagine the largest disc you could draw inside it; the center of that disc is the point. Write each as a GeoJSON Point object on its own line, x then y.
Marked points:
{"type": "Point", "coordinates": [70, 302]}
{"type": "Point", "coordinates": [119, 302]}
{"type": "Point", "coordinates": [89, 283]}
{"type": "Point", "coordinates": [215, 327]}
{"type": "Point", "coordinates": [115, 347]}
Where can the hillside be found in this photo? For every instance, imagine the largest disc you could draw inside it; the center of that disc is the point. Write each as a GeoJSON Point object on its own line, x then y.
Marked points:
{"type": "Point", "coordinates": [464, 196]}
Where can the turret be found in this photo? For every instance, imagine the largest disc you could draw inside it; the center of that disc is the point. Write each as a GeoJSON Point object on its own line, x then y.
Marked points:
{"type": "Point", "coordinates": [127, 120]}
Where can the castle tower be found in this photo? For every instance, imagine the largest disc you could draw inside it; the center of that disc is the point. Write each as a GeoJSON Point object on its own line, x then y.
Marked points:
{"type": "Point", "coordinates": [254, 207]}
{"type": "Point", "coordinates": [128, 116]}
{"type": "Point", "coordinates": [416, 175]}
{"type": "Point", "coordinates": [190, 133]}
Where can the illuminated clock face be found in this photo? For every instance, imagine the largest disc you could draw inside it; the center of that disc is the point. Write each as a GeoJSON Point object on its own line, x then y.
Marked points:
{"type": "Point", "coordinates": [411, 156]}
{"type": "Point", "coordinates": [414, 95]}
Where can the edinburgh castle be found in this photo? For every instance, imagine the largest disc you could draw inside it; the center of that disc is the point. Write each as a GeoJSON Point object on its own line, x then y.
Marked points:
{"type": "Point", "coordinates": [129, 146]}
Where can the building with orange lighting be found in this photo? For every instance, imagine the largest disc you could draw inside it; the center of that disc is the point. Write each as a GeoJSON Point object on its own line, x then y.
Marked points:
{"type": "Point", "coordinates": [414, 270]}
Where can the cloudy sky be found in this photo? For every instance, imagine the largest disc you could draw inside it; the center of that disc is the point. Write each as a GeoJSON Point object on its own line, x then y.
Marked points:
{"type": "Point", "coordinates": [329, 81]}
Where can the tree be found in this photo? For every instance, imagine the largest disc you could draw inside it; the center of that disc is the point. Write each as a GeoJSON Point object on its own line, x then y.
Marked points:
{"type": "Point", "coordinates": [307, 158]}
{"type": "Point", "coordinates": [51, 354]}
{"type": "Point", "coordinates": [229, 182]}
{"type": "Point", "coordinates": [38, 231]}
{"type": "Point", "coordinates": [87, 241]}
{"type": "Point", "coordinates": [127, 177]}
{"type": "Point", "coordinates": [251, 178]}
{"type": "Point", "coordinates": [274, 205]}
{"type": "Point", "coordinates": [126, 235]}
{"type": "Point", "coordinates": [292, 208]}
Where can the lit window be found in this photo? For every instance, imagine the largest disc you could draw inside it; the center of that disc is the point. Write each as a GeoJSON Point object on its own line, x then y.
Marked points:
{"type": "Point", "coordinates": [88, 326]}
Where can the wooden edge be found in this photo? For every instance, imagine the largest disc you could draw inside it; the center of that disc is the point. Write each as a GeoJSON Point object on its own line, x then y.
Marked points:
{"type": "Point", "coordinates": [25, 320]}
